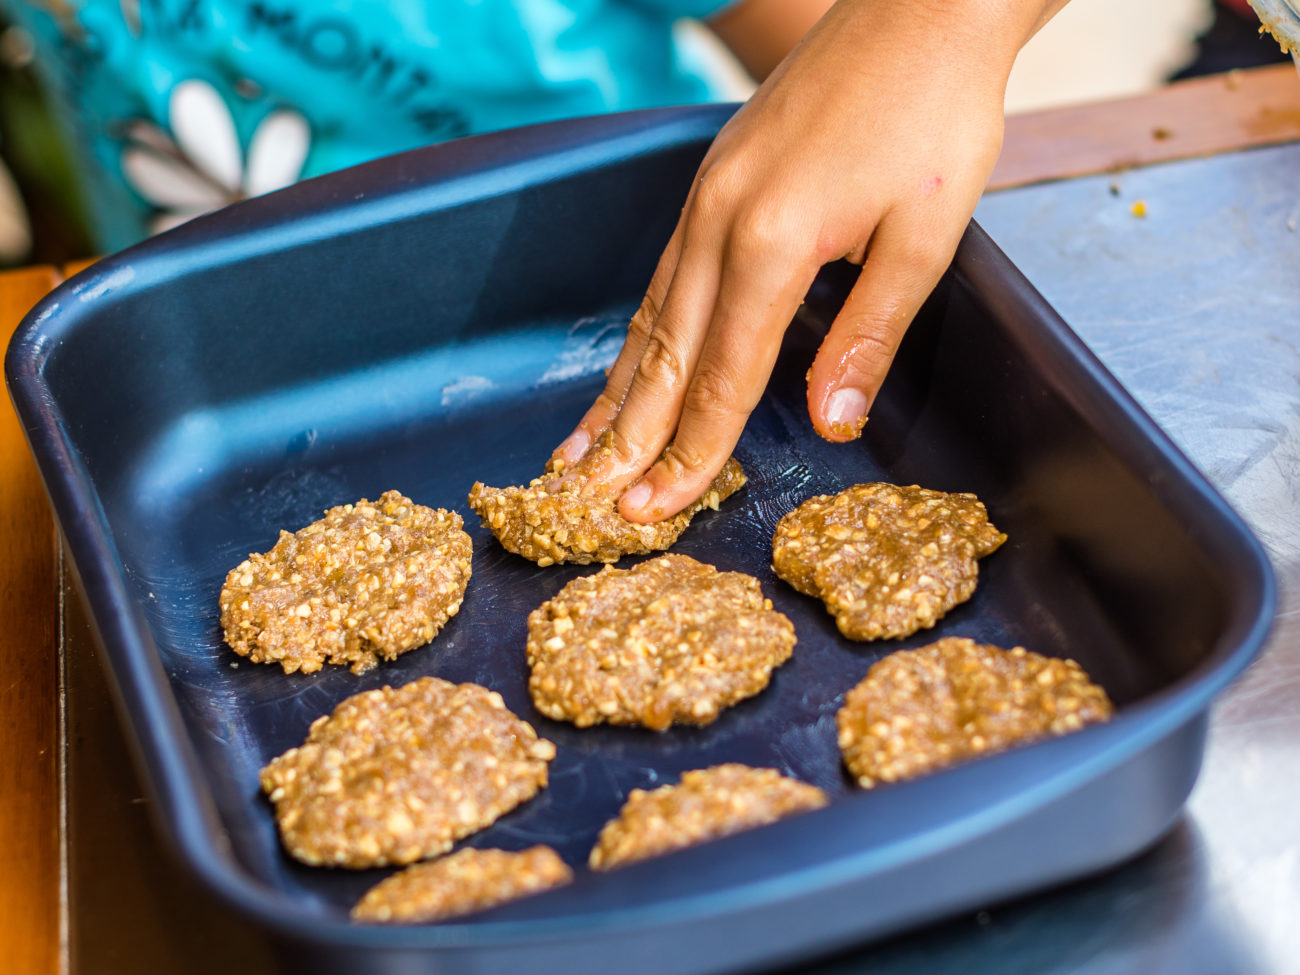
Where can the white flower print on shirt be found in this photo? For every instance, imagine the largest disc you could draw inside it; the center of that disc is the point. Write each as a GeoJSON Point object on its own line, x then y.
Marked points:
{"type": "Point", "coordinates": [201, 166]}
{"type": "Point", "coordinates": [15, 228]}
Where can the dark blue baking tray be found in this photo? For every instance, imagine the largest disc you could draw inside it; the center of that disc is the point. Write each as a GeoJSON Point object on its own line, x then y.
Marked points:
{"type": "Point", "coordinates": [445, 315]}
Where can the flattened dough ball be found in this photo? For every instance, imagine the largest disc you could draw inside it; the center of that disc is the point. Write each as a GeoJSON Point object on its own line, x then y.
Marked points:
{"type": "Point", "coordinates": [669, 641]}
{"type": "Point", "coordinates": [886, 560]}
{"type": "Point", "coordinates": [465, 882]}
{"type": "Point", "coordinates": [920, 710]}
{"type": "Point", "coordinates": [395, 776]}
{"type": "Point", "coordinates": [368, 581]}
{"type": "Point", "coordinates": [707, 804]}
{"type": "Point", "coordinates": [567, 525]}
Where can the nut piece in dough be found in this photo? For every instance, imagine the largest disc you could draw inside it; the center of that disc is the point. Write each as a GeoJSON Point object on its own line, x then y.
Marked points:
{"type": "Point", "coordinates": [366, 582]}
{"type": "Point", "coordinates": [568, 525]}
{"type": "Point", "coordinates": [707, 804]}
{"type": "Point", "coordinates": [671, 640]}
{"type": "Point", "coordinates": [917, 711]}
{"type": "Point", "coordinates": [886, 560]}
{"type": "Point", "coordinates": [465, 882]}
{"type": "Point", "coordinates": [395, 776]}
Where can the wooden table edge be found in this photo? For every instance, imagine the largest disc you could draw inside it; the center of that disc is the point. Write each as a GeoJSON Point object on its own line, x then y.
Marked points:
{"type": "Point", "coordinates": [1241, 109]}
{"type": "Point", "coordinates": [33, 891]}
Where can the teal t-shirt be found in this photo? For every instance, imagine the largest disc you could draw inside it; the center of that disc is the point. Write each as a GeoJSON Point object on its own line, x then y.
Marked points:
{"type": "Point", "coordinates": [177, 106]}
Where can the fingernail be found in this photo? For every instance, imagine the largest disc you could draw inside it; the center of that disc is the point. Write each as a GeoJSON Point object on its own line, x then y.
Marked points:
{"type": "Point", "coordinates": [574, 446]}
{"type": "Point", "coordinates": [846, 411]}
{"type": "Point", "coordinates": [637, 495]}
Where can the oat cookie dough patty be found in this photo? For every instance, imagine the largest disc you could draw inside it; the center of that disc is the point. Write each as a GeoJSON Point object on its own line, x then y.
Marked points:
{"type": "Point", "coordinates": [567, 525]}
{"type": "Point", "coordinates": [395, 776]}
{"type": "Point", "coordinates": [670, 641]}
{"type": "Point", "coordinates": [705, 805]}
{"type": "Point", "coordinates": [366, 582]}
{"type": "Point", "coordinates": [920, 710]}
{"type": "Point", "coordinates": [465, 882]}
{"type": "Point", "coordinates": [886, 560]}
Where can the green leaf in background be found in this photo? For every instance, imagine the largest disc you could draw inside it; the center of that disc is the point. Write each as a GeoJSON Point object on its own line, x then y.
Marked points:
{"type": "Point", "coordinates": [34, 148]}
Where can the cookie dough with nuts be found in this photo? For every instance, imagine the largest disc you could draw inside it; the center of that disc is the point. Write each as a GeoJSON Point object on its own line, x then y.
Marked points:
{"type": "Point", "coordinates": [396, 776]}
{"type": "Point", "coordinates": [669, 641]}
{"type": "Point", "coordinates": [886, 560]}
{"type": "Point", "coordinates": [920, 710]}
{"type": "Point", "coordinates": [563, 523]}
{"type": "Point", "coordinates": [707, 804]}
{"type": "Point", "coordinates": [365, 583]}
{"type": "Point", "coordinates": [465, 882]}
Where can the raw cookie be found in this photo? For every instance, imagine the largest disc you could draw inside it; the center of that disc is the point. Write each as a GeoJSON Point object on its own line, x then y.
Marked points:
{"type": "Point", "coordinates": [917, 711]}
{"type": "Point", "coordinates": [567, 525]}
{"type": "Point", "coordinates": [886, 560]}
{"type": "Point", "coordinates": [671, 640]}
{"type": "Point", "coordinates": [366, 582]}
{"type": "Point", "coordinates": [706, 804]}
{"type": "Point", "coordinates": [395, 776]}
{"type": "Point", "coordinates": [465, 882]}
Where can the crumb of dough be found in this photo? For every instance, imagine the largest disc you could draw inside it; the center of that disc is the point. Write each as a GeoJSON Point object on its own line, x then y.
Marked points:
{"type": "Point", "coordinates": [395, 776]}
{"type": "Point", "coordinates": [669, 641]}
{"type": "Point", "coordinates": [847, 430]}
{"type": "Point", "coordinates": [920, 710]}
{"type": "Point", "coordinates": [465, 882]}
{"type": "Point", "coordinates": [365, 583]}
{"type": "Point", "coordinates": [707, 804]}
{"type": "Point", "coordinates": [567, 525]}
{"type": "Point", "coordinates": [886, 560]}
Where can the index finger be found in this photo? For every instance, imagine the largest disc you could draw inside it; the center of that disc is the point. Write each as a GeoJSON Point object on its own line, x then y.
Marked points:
{"type": "Point", "coordinates": [757, 297]}
{"type": "Point", "coordinates": [602, 412]}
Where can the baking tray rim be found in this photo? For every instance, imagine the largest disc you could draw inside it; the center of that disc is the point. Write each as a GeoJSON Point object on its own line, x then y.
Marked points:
{"type": "Point", "coordinates": [142, 690]}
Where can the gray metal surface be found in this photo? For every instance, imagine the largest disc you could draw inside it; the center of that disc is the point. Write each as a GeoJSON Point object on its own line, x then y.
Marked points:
{"type": "Point", "coordinates": [1196, 308]}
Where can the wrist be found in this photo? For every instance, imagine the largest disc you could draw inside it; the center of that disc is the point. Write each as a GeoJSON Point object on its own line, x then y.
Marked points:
{"type": "Point", "coordinates": [979, 37]}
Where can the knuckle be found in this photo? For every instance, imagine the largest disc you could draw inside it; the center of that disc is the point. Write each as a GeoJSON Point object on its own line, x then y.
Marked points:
{"type": "Point", "coordinates": [709, 205]}
{"type": "Point", "coordinates": [638, 328]}
{"type": "Point", "coordinates": [714, 395]}
{"type": "Point", "coordinates": [718, 193]}
{"type": "Point", "coordinates": [872, 346]}
{"type": "Point", "coordinates": [607, 405]}
{"type": "Point", "coordinates": [681, 461]}
{"type": "Point", "coordinates": [762, 232]}
{"type": "Point", "coordinates": [623, 449]}
{"type": "Point", "coordinates": [661, 365]}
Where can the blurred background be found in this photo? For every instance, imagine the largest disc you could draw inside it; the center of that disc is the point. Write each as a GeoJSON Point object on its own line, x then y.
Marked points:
{"type": "Point", "coordinates": [1094, 49]}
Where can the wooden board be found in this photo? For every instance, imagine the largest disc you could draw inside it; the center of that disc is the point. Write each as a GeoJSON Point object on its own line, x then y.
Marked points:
{"type": "Point", "coordinates": [31, 889]}
{"type": "Point", "coordinates": [1201, 117]}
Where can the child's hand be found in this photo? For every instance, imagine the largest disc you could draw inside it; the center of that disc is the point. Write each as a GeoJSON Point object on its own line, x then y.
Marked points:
{"type": "Point", "coordinates": [872, 142]}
